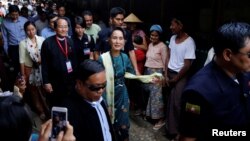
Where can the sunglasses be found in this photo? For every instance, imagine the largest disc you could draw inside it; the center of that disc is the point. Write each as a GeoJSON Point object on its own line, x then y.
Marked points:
{"type": "Point", "coordinates": [248, 54]}
{"type": "Point", "coordinates": [96, 87]}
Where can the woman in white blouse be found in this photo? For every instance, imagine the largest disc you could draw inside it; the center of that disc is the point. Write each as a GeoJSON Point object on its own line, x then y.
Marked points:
{"type": "Point", "coordinates": [30, 60]}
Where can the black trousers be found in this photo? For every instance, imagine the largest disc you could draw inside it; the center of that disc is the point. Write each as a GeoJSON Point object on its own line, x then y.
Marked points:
{"type": "Point", "coordinates": [13, 52]}
{"type": "Point", "coordinates": [14, 69]}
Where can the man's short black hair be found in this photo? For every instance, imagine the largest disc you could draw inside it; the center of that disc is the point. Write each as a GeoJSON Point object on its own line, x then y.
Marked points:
{"type": "Point", "coordinates": [117, 10]}
{"type": "Point", "coordinates": [51, 16]}
{"type": "Point", "coordinates": [60, 5]}
{"type": "Point", "coordinates": [87, 68]}
{"type": "Point", "coordinates": [87, 12]}
{"type": "Point", "coordinates": [232, 35]}
{"type": "Point", "coordinates": [13, 8]}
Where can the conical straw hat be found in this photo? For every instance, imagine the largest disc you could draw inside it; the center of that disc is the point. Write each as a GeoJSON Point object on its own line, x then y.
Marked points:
{"type": "Point", "coordinates": [131, 18]}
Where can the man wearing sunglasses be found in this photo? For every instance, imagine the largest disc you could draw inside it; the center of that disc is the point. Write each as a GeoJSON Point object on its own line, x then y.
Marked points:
{"type": "Point", "coordinates": [216, 101]}
{"type": "Point", "coordinates": [87, 110]}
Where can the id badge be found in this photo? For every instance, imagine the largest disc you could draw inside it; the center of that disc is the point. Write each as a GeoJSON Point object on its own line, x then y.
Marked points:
{"type": "Point", "coordinates": [86, 51]}
{"type": "Point", "coordinates": [69, 66]}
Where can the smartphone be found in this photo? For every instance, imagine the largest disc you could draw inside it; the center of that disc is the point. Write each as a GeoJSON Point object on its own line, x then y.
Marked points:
{"type": "Point", "coordinates": [59, 117]}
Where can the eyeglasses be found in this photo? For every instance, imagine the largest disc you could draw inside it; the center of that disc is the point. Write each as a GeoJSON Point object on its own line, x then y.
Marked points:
{"type": "Point", "coordinates": [248, 54]}
{"type": "Point", "coordinates": [96, 87]}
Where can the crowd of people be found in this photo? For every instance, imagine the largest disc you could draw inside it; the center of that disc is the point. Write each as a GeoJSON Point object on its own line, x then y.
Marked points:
{"type": "Point", "coordinates": [54, 60]}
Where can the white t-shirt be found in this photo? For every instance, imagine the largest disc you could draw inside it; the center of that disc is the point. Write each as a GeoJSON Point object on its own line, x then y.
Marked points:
{"type": "Point", "coordinates": [179, 52]}
{"type": "Point", "coordinates": [93, 30]}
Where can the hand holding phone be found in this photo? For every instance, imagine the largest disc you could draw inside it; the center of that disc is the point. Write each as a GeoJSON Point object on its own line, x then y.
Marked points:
{"type": "Point", "coordinates": [59, 120]}
{"type": "Point", "coordinates": [19, 79]}
{"type": "Point", "coordinates": [46, 128]}
{"type": "Point", "coordinates": [20, 83]}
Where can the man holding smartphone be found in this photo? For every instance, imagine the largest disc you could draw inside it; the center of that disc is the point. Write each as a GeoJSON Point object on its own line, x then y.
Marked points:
{"type": "Point", "coordinates": [87, 111]}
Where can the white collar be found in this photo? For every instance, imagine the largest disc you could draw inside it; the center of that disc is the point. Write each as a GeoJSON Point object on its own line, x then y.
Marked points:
{"type": "Point", "coordinates": [60, 38]}
{"type": "Point", "coordinates": [95, 103]}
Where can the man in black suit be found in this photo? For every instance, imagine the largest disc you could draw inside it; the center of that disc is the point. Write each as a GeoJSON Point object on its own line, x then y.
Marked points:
{"type": "Point", "coordinates": [87, 111]}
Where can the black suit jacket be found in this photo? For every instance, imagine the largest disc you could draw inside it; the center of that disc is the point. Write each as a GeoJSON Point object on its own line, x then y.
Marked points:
{"type": "Point", "coordinates": [84, 118]}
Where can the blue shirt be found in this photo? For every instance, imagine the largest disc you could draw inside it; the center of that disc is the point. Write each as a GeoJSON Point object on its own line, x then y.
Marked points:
{"type": "Point", "coordinates": [13, 32]}
{"type": "Point", "coordinates": [47, 32]}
